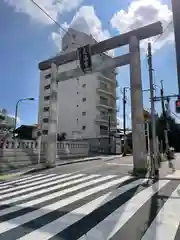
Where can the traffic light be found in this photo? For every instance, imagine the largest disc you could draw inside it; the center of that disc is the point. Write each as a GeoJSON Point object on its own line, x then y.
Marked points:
{"type": "Point", "coordinates": [178, 106]}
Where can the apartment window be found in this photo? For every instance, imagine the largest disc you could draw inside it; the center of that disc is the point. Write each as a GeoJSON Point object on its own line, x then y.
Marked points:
{"type": "Point", "coordinates": [46, 98]}
{"type": "Point", "coordinates": [45, 120]}
{"type": "Point", "coordinates": [48, 76]}
{"type": "Point", "coordinates": [105, 128]}
{"type": "Point", "coordinates": [84, 113]}
{"type": "Point", "coordinates": [45, 132]}
{"type": "Point", "coordinates": [103, 85]}
{"type": "Point", "coordinates": [46, 109]}
{"type": "Point", "coordinates": [47, 87]}
{"type": "Point", "coordinates": [84, 99]}
{"type": "Point", "coordinates": [84, 127]}
{"type": "Point", "coordinates": [84, 85]}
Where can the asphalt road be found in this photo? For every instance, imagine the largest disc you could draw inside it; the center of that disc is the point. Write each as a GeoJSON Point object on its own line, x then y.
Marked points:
{"type": "Point", "coordinates": [96, 200]}
{"type": "Point", "coordinates": [109, 165]}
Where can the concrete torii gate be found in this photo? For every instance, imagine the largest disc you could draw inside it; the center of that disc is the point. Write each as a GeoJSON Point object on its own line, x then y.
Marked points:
{"type": "Point", "coordinates": [133, 58]}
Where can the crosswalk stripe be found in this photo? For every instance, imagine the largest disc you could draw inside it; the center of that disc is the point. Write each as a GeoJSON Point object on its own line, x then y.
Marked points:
{"type": "Point", "coordinates": [29, 181]}
{"type": "Point", "coordinates": [3, 185]}
{"type": "Point", "coordinates": [166, 223]}
{"type": "Point", "coordinates": [48, 196]}
{"type": "Point", "coordinates": [40, 186]}
{"type": "Point", "coordinates": [53, 228]}
{"type": "Point", "coordinates": [111, 224]}
{"type": "Point", "coordinates": [36, 194]}
{"type": "Point", "coordinates": [124, 213]}
{"type": "Point", "coordinates": [15, 222]}
{"type": "Point", "coordinates": [39, 182]}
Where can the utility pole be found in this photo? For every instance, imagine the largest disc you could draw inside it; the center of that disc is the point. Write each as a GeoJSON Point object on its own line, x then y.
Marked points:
{"type": "Point", "coordinates": [124, 119]}
{"type": "Point", "coordinates": [109, 132]}
{"type": "Point", "coordinates": [153, 152]}
{"type": "Point", "coordinates": [164, 119]}
{"type": "Point", "coordinates": [176, 19]}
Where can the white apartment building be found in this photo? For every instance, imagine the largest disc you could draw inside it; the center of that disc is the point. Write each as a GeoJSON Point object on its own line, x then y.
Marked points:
{"type": "Point", "coordinates": [84, 103]}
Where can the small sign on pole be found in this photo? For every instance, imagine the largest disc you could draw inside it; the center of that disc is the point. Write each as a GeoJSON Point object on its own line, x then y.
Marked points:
{"type": "Point", "coordinates": [84, 55]}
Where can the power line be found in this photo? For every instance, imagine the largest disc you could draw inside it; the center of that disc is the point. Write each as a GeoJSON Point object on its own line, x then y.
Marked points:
{"type": "Point", "coordinates": [47, 14]}
{"type": "Point", "coordinates": [166, 28]}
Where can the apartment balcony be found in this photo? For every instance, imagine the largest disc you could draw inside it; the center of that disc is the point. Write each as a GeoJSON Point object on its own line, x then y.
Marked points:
{"type": "Point", "coordinates": [104, 119]}
{"type": "Point", "coordinates": [109, 80]}
{"type": "Point", "coordinates": [106, 105]}
{"type": "Point", "coordinates": [104, 133]}
{"type": "Point", "coordinates": [105, 90]}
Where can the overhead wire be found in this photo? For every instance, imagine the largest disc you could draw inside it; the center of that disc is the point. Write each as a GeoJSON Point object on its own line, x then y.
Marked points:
{"type": "Point", "coordinates": [53, 20]}
{"type": "Point", "coordinates": [166, 28]}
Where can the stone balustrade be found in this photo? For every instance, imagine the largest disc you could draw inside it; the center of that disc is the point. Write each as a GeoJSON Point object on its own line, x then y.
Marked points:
{"type": "Point", "coordinates": [20, 153]}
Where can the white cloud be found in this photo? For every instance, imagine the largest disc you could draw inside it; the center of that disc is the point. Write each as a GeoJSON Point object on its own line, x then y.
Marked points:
{"type": "Point", "coordinates": [85, 20]}
{"type": "Point", "coordinates": [57, 36]}
{"type": "Point", "coordinates": [141, 13]}
{"type": "Point", "coordinates": [53, 7]}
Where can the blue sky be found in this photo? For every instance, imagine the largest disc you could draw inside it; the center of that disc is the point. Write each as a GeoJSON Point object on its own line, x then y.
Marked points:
{"type": "Point", "coordinates": [28, 37]}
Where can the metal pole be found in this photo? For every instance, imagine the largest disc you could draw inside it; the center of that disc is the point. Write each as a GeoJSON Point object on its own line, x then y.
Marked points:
{"type": "Point", "coordinates": [164, 119]}
{"type": "Point", "coordinates": [124, 119]}
{"type": "Point", "coordinates": [154, 145]}
{"type": "Point", "coordinates": [15, 121]}
{"type": "Point", "coordinates": [16, 111]}
{"type": "Point", "coordinates": [176, 20]}
{"type": "Point", "coordinates": [109, 132]}
{"type": "Point", "coordinates": [148, 137]}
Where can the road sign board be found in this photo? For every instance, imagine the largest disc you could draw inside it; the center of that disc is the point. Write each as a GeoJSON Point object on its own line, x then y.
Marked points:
{"type": "Point", "coordinates": [84, 55]}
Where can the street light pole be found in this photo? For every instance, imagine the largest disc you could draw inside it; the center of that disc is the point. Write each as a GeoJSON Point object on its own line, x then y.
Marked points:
{"type": "Point", "coordinates": [16, 111]}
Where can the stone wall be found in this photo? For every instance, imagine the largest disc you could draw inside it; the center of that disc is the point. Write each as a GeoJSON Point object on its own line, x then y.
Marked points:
{"type": "Point", "coordinates": [21, 153]}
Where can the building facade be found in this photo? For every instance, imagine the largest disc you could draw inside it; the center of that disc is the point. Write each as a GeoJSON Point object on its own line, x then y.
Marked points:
{"type": "Point", "coordinates": [84, 103]}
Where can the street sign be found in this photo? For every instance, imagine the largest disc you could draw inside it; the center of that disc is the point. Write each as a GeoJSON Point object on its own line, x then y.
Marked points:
{"type": "Point", "coordinates": [84, 55]}
{"type": "Point", "coordinates": [178, 106]}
